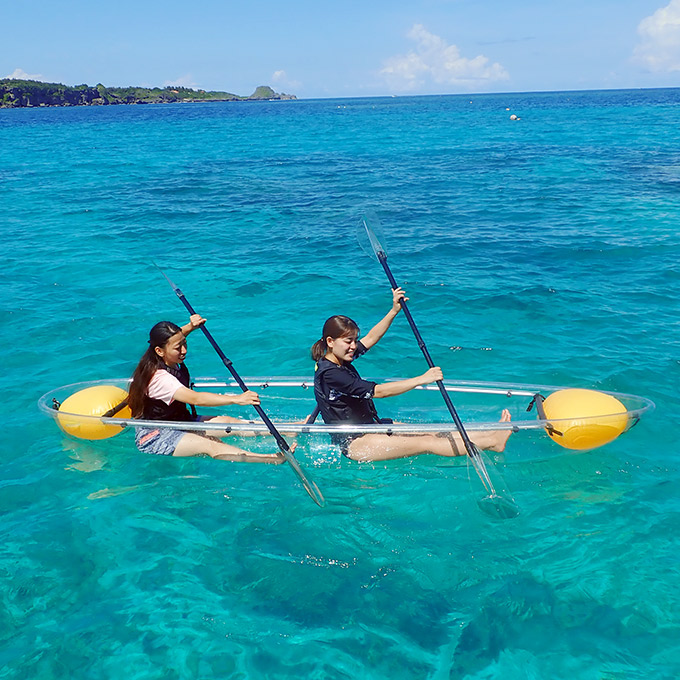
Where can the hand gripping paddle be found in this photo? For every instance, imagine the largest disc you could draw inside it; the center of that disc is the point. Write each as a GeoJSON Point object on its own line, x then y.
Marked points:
{"type": "Point", "coordinates": [493, 503]}
{"type": "Point", "coordinates": [310, 487]}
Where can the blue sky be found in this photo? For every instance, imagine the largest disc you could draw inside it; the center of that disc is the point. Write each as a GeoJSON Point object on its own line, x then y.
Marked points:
{"type": "Point", "coordinates": [323, 48]}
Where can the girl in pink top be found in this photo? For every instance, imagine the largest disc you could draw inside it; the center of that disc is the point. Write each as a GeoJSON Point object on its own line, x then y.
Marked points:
{"type": "Point", "coordinates": [160, 390]}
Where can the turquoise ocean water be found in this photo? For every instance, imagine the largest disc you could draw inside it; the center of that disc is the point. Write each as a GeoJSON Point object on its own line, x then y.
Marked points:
{"type": "Point", "coordinates": [553, 241]}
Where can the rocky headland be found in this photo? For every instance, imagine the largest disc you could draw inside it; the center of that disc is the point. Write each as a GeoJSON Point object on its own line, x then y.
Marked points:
{"type": "Point", "coordinates": [32, 93]}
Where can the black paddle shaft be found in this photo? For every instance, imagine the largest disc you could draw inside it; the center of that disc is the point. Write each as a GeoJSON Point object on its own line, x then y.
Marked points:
{"type": "Point", "coordinates": [471, 449]}
{"type": "Point", "coordinates": [282, 443]}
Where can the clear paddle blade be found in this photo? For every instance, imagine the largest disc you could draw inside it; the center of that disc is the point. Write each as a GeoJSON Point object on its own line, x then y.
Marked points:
{"type": "Point", "coordinates": [498, 507]}
{"type": "Point", "coordinates": [498, 502]}
{"type": "Point", "coordinates": [167, 278]}
{"type": "Point", "coordinates": [373, 229]}
{"type": "Point", "coordinates": [309, 485]}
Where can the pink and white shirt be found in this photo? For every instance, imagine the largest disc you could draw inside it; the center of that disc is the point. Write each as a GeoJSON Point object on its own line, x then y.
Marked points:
{"type": "Point", "coordinates": [163, 386]}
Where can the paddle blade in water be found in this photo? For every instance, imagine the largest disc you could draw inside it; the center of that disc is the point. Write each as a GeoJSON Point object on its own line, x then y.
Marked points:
{"type": "Point", "coordinates": [310, 486]}
{"type": "Point", "coordinates": [498, 507]}
{"type": "Point", "coordinates": [498, 502]}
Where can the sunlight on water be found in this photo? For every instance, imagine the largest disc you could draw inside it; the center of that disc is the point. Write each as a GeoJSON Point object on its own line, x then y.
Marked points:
{"type": "Point", "coordinates": [551, 242]}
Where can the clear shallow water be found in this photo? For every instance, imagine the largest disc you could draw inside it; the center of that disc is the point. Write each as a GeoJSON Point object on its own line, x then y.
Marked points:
{"type": "Point", "coordinates": [553, 241]}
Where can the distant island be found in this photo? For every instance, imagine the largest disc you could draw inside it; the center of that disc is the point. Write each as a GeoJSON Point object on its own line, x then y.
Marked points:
{"type": "Point", "coordinates": [32, 93]}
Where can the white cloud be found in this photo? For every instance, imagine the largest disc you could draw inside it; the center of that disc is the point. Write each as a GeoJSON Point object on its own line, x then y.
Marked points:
{"type": "Point", "coordinates": [20, 74]}
{"type": "Point", "coordinates": [435, 61]}
{"type": "Point", "coordinates": [280, 78]}
{"type": "Point", "coordinates": [659, 46]}
{"type": "Point", "coordinates": [183, 81]}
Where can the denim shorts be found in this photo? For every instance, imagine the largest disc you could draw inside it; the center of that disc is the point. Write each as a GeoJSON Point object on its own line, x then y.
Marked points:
{"type": "Point", "coordinates": [157, 441]}
{"type": "Point", "coordinates": [161, 441]}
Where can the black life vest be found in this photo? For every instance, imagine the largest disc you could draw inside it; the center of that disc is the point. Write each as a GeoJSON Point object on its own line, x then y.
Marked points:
{"type": "Point", "coordinates": [343, 408]}
{"type": "Point", "coordinates": [155, 409]}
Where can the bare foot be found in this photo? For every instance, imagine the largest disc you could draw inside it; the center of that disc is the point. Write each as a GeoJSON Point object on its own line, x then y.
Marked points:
{"type": "Point", "coordinates": [500, 437]}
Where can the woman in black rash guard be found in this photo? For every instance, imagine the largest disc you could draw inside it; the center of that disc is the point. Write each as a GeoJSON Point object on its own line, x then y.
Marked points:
{"type": "Point", "coordinates": [344, 397]}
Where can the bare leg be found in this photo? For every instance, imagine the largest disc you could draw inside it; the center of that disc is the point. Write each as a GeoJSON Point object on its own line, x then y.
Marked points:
{"type": "Point", "coordinates": [194, 445]}
{"type": "Point", "coordinates": [243, 433]}
{"type": "Point", "coordinates": [389, 447]}
{"type": "Point", "coordinates": [493, 440]}
{"type": "Point", "coordinates": [229, 419]}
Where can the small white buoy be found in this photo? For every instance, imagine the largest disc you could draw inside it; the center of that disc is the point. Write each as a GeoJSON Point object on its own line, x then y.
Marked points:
{"type": "Point", "coordinates": [514, 117]}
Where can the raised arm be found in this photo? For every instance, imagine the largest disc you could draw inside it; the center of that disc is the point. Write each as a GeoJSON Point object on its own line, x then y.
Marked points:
{"type": "Point", "coordinates": [374, 335]}
{"type": "Point", "coordinates": [391, 389]}
{"type": "Point", "coordinates": [195, 321]}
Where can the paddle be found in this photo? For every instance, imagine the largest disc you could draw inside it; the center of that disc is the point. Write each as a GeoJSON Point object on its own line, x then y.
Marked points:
{"type": "Point", "coordinates": [493, 503]}
{"type": "Point", "coordinates": [310, 487]}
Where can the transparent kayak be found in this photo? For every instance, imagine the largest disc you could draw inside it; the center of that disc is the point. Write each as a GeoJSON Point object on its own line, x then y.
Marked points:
{"type": "Point", "coordinates": [288, 401]}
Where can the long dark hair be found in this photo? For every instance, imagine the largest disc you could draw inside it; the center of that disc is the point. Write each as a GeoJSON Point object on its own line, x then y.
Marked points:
{"type": "Point", "coordinates": [336, 327]}
{"type": "Point", "coordinates": [148, 365]}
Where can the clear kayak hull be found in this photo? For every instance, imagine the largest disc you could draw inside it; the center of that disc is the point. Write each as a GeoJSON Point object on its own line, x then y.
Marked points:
{"type": "Point", "coordinates": [289, 400]}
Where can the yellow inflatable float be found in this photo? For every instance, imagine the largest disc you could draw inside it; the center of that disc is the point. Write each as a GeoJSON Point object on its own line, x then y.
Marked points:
{"type": "Point", "coordinates": [92, 401]}
{"type": "Point", "coordinates": [586, 419]}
